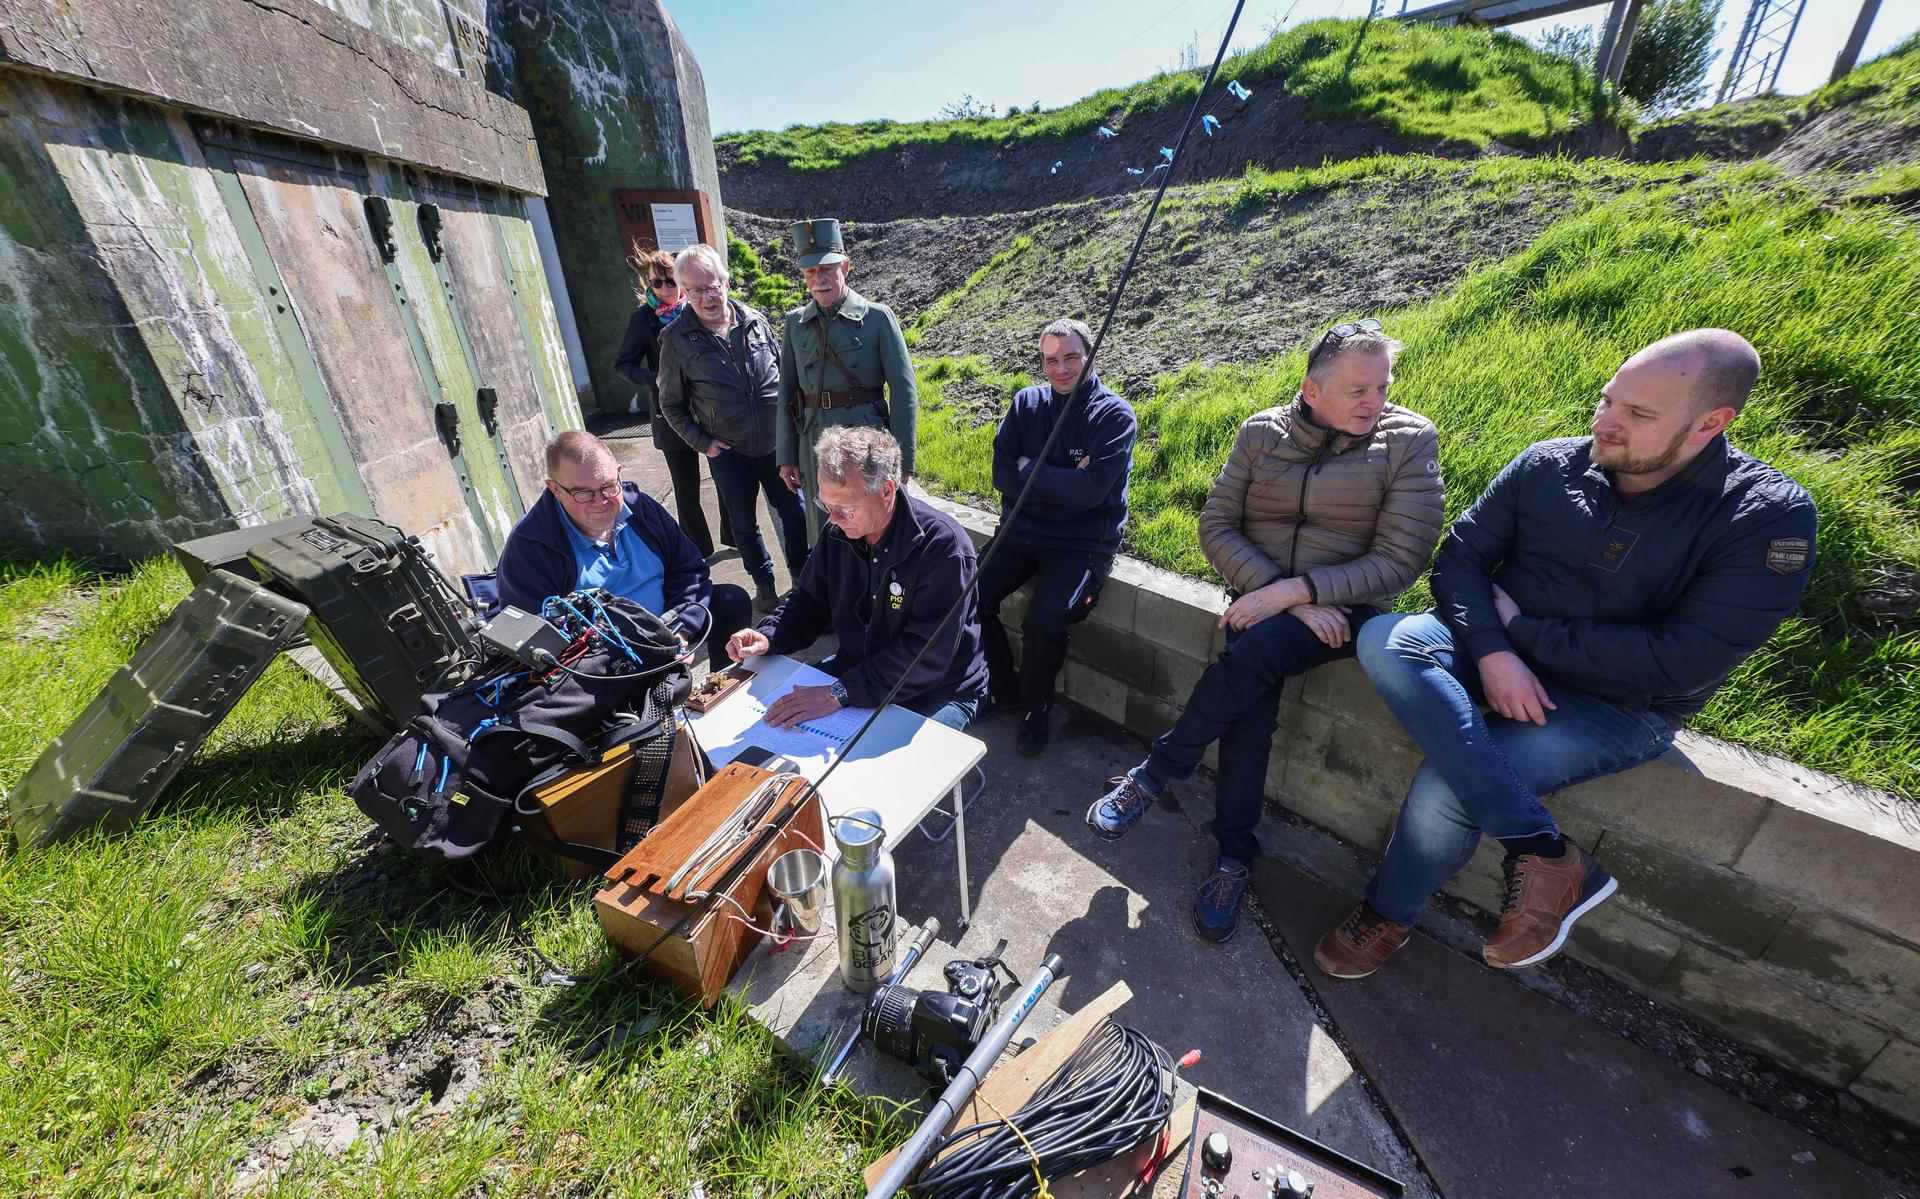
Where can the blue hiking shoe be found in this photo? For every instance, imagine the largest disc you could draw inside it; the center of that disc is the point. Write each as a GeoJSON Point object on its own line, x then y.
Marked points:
{"type": "Point", "coordinates": [1127, 800]}
{"type": "Point", "coordinates": [1216, 907]}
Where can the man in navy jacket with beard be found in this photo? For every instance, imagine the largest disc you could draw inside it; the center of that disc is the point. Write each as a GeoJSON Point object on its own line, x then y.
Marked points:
{"type": "Point", "coordinates": [1066, 535]}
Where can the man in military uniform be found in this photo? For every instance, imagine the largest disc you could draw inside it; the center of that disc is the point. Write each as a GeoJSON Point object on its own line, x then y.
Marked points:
{"type": "Point", "coordinates": [843, 361]}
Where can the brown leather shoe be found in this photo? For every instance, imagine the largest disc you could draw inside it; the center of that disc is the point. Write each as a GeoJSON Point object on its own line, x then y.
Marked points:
{"type": "Point", "coordinates": [1359, 944]}
{"type": "Point", "coordinates": [1544, 898]}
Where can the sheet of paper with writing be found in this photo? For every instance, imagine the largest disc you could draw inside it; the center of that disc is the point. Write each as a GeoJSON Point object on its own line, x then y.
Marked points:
{"type": "Point", "coordinates": [808, 742]}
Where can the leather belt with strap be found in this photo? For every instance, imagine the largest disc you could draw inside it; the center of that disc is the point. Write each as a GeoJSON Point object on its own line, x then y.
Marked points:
{"type": "Point", "coordinates": [829, 400]}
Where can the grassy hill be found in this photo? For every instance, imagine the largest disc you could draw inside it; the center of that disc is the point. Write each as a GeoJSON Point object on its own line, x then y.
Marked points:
{"type": "Point", "coordinates": [1819, 266]}
{"type": "Point", "coordinates": [1464, 85]}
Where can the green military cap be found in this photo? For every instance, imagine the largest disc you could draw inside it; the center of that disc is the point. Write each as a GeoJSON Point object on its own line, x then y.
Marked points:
{"type": "Point", "coordinates": [817, 243]}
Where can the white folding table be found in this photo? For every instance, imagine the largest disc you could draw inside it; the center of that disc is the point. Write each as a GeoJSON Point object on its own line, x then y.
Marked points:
{"type": "Point", "coordinates": [901, 768]}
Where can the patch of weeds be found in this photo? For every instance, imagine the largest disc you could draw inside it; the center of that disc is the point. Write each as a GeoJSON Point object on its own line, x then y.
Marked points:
{"type": "Point", "coordinates": [940, 307]}
{"type": "Point", "coordinates": [772, 293]}
{"type": "Point", "coordinates": [1899, 183]}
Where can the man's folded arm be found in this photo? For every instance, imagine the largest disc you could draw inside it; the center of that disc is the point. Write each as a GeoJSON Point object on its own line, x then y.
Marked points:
{"type": "Point", "coordinates": [1074, 487]}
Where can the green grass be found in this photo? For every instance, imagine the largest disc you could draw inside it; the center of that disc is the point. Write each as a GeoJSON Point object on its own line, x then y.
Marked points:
{"type": "Point", "coordinates": [181, 995]}
{"type": "Point", "coordinates": [1486, 179]}
{"type": "Point", "coordinates": [1899, 182]}
{"type": "Point", "coordinates": [944, 304]}
{"type": "Point", "coordinates": [1462, 85]}
{"type": "Point", "coordinates": [1738, 122]}
{"type": "Point", "coordinates": [1888, 84]}
{"type": "Point", "coordinates": [1519, 351]}
{"type": "Point", "coordinates": [772, 293]}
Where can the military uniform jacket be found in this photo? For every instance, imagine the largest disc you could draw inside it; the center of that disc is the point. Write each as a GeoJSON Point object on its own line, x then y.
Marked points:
{"type": "Point", "coordinates": [866, 336]}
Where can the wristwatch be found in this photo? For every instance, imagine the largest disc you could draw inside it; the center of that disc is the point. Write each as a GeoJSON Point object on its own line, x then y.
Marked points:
{"type": "Point", "coordinates": [838, 690]}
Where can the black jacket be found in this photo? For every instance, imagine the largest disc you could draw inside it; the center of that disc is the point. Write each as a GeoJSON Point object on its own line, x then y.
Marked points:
{"type": "Point", "coordinates": [884, 602]}
{"type": "Point", "coordinates": [638, 362]}
{"type": "Point", "coordinates": [710, 391]}
{"type": "Point", "coordinates": [1069, 508]}
{"type": "Point", "coordinates": [1648, 604]}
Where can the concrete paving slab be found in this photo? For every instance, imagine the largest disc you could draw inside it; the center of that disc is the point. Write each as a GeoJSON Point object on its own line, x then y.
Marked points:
{"type": "Point", "coordinates": [1119, 910]}
{"type": "Point", "coordinates": [1504, 1093]}
{"type": "Point", "coordinates": [1621, 1121]}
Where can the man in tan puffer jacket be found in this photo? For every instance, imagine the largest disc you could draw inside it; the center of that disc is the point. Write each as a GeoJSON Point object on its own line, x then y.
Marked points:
{"type": "Point", "coordinates": [1327, 508]}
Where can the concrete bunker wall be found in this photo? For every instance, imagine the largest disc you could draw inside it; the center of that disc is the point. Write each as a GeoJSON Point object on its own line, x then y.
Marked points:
{"type": "Point", "coordinates": [618, 102]}
{"type": "Point", "coordinates": [205, 325]}
{"type": "Point", "coordinates": [1767, 901]}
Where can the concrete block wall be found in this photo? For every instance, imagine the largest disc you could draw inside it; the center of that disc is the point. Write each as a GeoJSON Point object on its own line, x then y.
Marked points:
{"type": "Point", "coordinates": [1766, 900]}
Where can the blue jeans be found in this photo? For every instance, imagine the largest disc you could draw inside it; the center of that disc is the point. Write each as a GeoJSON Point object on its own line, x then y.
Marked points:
{"type": "Point", "coordinates": [1483, 774]}
{"type": "Point", "coordinates": [1237, 703]}
{"type": "Point", "coordinates": [956, 714]}
{"type": "Point", "coordinates": [741, 480]}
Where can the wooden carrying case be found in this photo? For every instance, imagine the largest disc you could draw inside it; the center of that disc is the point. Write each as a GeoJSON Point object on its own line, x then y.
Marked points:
{"type": "Point", "coordinates": [635, 907]}
{"type": "Point", "coordinates": [584, 806]}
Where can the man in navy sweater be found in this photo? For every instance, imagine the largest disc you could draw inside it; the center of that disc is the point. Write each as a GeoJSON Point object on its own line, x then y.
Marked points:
{"type": "Point", "coordinates": [590, 529]}
{"type": "Point", "coordinates": [881, 579]}
{"type": "Point", "coordinates": [1066, 535]}
{"type": "Point", "coordinates": [1595, 596]}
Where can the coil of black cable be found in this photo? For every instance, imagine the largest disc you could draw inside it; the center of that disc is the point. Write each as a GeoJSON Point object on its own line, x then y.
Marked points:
{"type": "Point", "coordinates": [1116, 1089]}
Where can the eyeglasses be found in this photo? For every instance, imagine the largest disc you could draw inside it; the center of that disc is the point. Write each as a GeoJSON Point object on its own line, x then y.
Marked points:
{"type": "Point", "coordinates": [1339, 333]}
{"type": "Point", "coordinates": [712, 289]}
{"type": "Point", "coordinates": [844, 512]}
{"type": "Point", "coordinates": [586, 495]}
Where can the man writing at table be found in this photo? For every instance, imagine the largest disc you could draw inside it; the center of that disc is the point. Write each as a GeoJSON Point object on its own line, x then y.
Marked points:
{"type": "Point", "coordinates": [881, 580]}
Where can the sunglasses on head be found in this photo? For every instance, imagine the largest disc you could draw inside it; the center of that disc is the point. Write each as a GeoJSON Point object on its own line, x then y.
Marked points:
{"type": "Point", "coordinates": [1339, 333]}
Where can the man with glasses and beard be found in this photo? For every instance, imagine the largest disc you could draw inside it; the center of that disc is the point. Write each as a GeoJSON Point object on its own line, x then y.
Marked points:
{"type": "Point", "coordinates": [881, 580]}
{"type": "Point", "coordinates": [590, 529]}
{"type": "Point", "coordinates": [1327, 508]}
{"type": "Point", "coordinates": [1595, 596]}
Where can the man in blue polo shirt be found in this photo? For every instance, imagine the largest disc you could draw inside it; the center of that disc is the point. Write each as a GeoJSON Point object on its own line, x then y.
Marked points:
{"type": "Point", "coordinates": [592, 530]}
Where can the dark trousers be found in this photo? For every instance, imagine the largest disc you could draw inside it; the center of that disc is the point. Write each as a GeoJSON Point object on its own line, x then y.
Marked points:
{"type": "Point", "coordinates": [1056, 575]}
{"type": "Point", "coordinates": [730, 611]}
{"type": "Point", "coordinates": [1237, 703]}
{"type": "Point", "coordinates": [740, 481]}
{"type": "Point", "coordinates": [683, 467]}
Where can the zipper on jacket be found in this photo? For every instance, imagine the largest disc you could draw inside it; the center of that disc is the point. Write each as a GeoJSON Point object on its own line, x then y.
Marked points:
{"type": "Point", "coordinates": [1293, 542]}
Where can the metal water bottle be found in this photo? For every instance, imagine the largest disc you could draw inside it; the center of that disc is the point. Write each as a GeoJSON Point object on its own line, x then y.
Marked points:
{"type": "Point", "coordinates": [863, 899]}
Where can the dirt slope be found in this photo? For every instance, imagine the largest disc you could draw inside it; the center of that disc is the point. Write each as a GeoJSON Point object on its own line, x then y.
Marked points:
{"type": "Point", "coordinates": [1270, 129]}
{"type": "Point", "coordinates": [1215, 284]}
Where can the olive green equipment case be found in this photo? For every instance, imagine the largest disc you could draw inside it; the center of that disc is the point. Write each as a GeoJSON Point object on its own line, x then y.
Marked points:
{"type": "Point", "coordinates": [383, 615]}
{"type": "Point", "coordinates": [107, 768]}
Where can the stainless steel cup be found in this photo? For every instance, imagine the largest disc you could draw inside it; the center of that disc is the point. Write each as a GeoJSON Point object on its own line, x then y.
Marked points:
{"type": "Point", "coordinates": [798, 879]}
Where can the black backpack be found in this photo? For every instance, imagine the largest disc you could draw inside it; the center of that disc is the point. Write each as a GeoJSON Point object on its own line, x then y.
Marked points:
{"type": "Point", "coordinates": [443, 785]}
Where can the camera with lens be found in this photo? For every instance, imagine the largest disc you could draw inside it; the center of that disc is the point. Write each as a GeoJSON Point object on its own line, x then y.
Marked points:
{"type": "Point", "coordinates": [933, 1032]}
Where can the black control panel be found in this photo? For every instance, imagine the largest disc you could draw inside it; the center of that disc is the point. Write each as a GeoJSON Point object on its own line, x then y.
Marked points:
{"type": "Point", "coordinates": [1239, 1154]}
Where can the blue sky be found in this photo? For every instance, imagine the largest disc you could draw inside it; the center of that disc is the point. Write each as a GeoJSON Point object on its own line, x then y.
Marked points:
{"type": "Point", "coordinates": [772, 63]}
